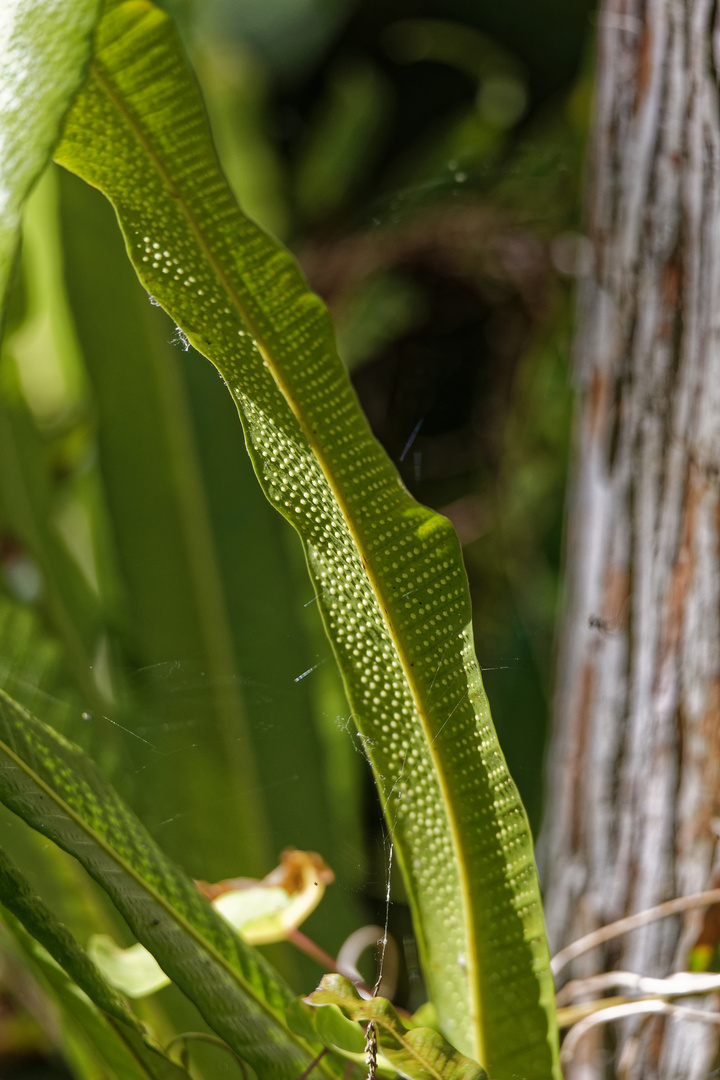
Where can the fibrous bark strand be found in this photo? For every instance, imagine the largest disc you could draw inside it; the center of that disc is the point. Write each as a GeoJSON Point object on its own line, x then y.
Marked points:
{"type": "Point", "coordinates": [635, 763]}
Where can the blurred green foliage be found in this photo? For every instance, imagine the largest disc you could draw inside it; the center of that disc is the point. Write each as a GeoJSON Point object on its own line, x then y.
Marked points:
{"type": "Point", "coordinates": [423, 161]}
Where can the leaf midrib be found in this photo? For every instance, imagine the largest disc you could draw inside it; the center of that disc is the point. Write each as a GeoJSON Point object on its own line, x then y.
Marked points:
{"type": "Point", "coordinates": [136, 129]}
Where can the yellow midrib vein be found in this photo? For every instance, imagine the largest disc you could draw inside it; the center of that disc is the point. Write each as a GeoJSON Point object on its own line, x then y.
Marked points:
{"type": "Point", "coordinates": [136, 128]}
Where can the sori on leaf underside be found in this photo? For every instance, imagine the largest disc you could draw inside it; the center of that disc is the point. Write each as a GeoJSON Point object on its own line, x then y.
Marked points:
{"type": "Point", "coordinates": [106, 89]}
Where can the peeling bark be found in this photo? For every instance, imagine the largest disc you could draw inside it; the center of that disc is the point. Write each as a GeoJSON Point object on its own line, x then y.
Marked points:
{"type": "Point", "coordinates": [634, 778]}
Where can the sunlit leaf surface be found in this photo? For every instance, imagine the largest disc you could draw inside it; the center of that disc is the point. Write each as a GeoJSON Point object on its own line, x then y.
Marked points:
{"type": "Point", "coordinates": [44, 49]}
{"type": "Point", "coordinates": [388, 572]}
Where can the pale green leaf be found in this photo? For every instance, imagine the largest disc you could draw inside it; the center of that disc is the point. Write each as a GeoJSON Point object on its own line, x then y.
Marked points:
{"type": "Point", "coordinates": [256, 913]}
{"type": "Point", "coordinates": [388, 572]}
{"type": "Point", "coordinates": [134, 971]}
{"type": "Point", "coordinates": [57, 790]}
{"type": "Point", "coordinates": [44, 49]}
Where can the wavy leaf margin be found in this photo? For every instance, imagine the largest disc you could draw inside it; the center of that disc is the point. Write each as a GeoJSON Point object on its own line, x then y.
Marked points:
{"type": "Point", "coordinates": [389, 575]}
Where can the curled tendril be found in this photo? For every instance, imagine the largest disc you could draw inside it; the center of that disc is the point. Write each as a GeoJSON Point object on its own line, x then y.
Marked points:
{"type": "Point", "coordinates": [201, 1036]}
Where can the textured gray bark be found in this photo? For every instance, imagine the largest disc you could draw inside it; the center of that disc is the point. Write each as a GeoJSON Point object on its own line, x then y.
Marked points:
{"type": "Point", "coordinates": [634, 777]}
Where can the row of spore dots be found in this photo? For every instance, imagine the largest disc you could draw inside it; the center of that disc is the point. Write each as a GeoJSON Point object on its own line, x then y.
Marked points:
{"type": "Point", "coordinates": [303, 506]}
{"type": "Point", "coordinates": [363, 645]}
{"type": "Point", "coordinates": [157, 255]}
{"type": "Point", "coordinates": [161, 259]}
{"type": "Point", "coordinates": [424, 826]}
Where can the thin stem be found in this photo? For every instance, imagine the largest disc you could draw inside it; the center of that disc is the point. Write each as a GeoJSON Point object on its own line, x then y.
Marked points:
{"type": "Point", "coordinates": [311, 1066]}
{"type": "Point", "coordinates": [632, 922]}
{"type": "Point", "coordinates": [384, 944]}
{"type": "Point", "coordinates": [310, 948]}
{"type": "Point", "coordinates": [371, 1051]}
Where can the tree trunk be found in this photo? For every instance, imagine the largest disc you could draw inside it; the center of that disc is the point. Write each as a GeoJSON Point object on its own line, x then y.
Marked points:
{"type": "Point", "coordinates": [634, 780]}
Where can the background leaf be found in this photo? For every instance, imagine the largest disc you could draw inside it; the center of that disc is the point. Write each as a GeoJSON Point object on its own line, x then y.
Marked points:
{"type": "Point", "coordinates": [45, 47]}
{"type": "Point", "coordinates": [53, 786]}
